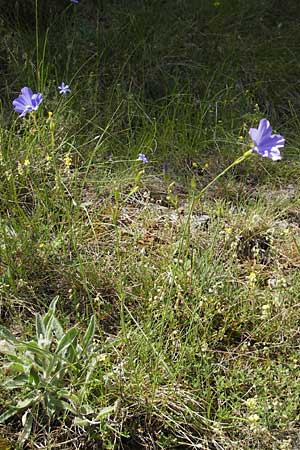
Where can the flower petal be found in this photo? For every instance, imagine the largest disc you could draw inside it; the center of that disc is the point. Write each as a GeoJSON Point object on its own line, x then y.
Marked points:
{"type": "Point", "coordinates": [265, 143]}
{"type": "Point", "coordinates": [264, 129]}
{"type": "Point", "coordinates": [26, 93]}
{"type": "Point", "coordinates": [254, 135]}
{"type": "Point", "coordinates": [272, 153]}
{"type": "Point", "coordinates": [27, 101]}
{"type": "Point", "coordinates": [275, 140]}
{"type": "Point", "coordinates": [20, 109]}
{"type": "Point", "coordinates": [19, 101]}
{"type": "Point", "coordinates": [36, 100]}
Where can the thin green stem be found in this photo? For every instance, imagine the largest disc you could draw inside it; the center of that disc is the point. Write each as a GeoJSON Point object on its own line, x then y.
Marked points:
{"type": "Point", "coordinates": [196, 196]}
{"type": "Point", "coordinates": [235, 163]}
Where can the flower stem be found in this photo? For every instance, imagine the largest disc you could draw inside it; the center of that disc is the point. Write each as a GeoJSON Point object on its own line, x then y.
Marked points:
{"type": "Point", "coordinates": [235, 163]}
{"type": "Point", "coordinates": [196, 196]}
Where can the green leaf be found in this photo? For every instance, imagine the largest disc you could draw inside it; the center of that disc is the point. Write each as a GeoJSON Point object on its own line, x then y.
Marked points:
{"type": "Point", "coordinates": [53, 304]}
{"type": "Point", "coordinates": [8, 413]}
{"type": "Point", "coordinates": [86, 410]}
{"type": "Point", "coordinates": [50, 314]}
{"type": "Point", "coordinates": [57, 328]}
{"type": "Point", "coordinates": [89, 334]}
{"type": "Point", "coordinates": [105, 412]}
{"type": "Point", "coordinates": [27, 420]}
{"type": "Point", "coordinates": [15, 367]}
{"type": "Point", "coordinates": [7, 335]}
{"type": "Point", "coordinates": [47, 317]}
{"type": "Point", "coordinates": [26, 402]}
{"type": "Point", "coordinates": [34, 377]}
{"type": "Point", "coordinates": [68, 407]}
{"type": "Point", "coordinates": [16, 359]}
{"type": "Point", "coordinates": [15, 383]}
{"type": "Point", "coordinates": [39, 326]}
{"type": "Point", "coordinates": [66, 340]}
{"type": "Point", "coordinates": [53, 367]}
{"type": "Point", "coordinates": [53, 403]}
{"type": "Point", "coordinates": [89, 372]}
{"type": "Point", "coordinates": [33, 347]}
{"type": "Point", "coordinates": [72, 352]}
{"type": "Point", "coordinates": [81, 422]}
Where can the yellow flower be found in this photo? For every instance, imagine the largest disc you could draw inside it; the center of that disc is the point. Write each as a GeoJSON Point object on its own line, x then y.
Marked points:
{"type": "Point", "coordinates": [67, 161]}
{"type": "Point", "coordinates": [254, 418]}
{"type": "Point", "coordinates": [20, 168]}
{"type": "Point", "coordinates": [26, 162]}
{"type": "Point", "coordinates": [251, 402]}
{"type": "Point", "coordinates": [265, 311]}
{"type": "Point", "coordinates": [251, 279]}
{"type": "Point", "coordinates": [48, 157]}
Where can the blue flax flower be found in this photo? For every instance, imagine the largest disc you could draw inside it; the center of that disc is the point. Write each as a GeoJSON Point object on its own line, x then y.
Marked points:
{"type": "Point", "coordinates": [27, 101]}
{"type": "Point", "coordinates": [64, 88]}
{"type": "Point", "coordinates": [142, 157]}
{"type": "Point", "coordinates": [265, 143]}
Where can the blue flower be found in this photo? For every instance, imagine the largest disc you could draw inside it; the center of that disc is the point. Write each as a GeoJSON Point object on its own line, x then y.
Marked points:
{"type": "Point", "coordinates": [74, 1]}
{"type": "Point", "coordinates": [265, 143]}
{"type": "Point", "coordinates": [64, 88]}
{"type": "Point", "coordinates": [27, 101]}
{"type": "Point", "coordinates": [142, 157]}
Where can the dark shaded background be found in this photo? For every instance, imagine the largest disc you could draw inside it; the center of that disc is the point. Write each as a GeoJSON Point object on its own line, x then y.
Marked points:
{"type": "Point", "coordinates": [159, 47]}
